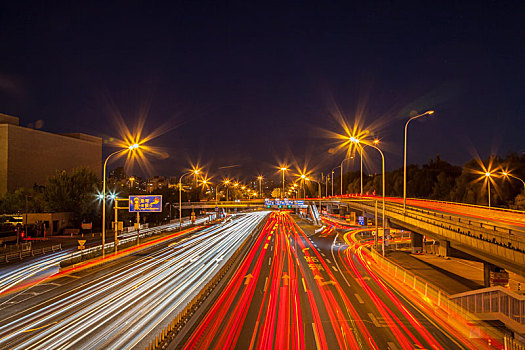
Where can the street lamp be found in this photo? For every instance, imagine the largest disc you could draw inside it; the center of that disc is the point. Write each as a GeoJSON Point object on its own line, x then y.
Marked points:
{"type": "Point", "coordinates": [131, 148]}
{"type": "Point", "coordinates": [341, 165]}
{"type": "Point", "coordinates": [405, 159]}
{"type": "Point", "coordinates": [194, 172]}
{"type": "Point", "coordinates": [260, 185]}
{"type": "Point", "coordinates": [226, 183]}
{"type": "Point", "coordinates": [488, 174]}
{"type": "Point", "coordinates": [507, 174]}
{"type": "Point", "coordinates": [357, 141]}
{"type": "Point", "coordinates": [333, 179]}
{"type": "Point", "coordinates": [283, 169]}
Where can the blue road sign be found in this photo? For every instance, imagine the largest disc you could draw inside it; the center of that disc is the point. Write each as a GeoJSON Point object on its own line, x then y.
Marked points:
{"type": "Point", "coordinates": [145, 203]}
{"type": "Point", "coordinates": [361, 220]}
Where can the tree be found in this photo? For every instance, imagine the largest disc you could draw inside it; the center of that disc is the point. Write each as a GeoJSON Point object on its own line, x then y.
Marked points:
{"type": "Point", "coordinates": [72, 193]}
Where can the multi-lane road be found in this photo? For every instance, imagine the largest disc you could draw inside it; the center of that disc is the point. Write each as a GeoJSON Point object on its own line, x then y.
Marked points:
{"type": "Point", "coordinates": [124, 302]}
{"type": "Point", "coordinates": [294, 289]}
{"type": "Point", "coordinates": [299, 290]}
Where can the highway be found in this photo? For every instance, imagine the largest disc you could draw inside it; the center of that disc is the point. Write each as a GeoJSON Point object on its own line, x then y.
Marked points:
{"type": "Point", "coordinates": [29, 270]}
{"type": "Point", "coordinates": [122, 303]}
{"type": "Point", "coordinates": [300, 290]}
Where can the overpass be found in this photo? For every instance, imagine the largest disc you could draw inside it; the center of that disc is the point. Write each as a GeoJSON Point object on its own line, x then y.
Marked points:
{"type": "Point", "coordinates": [492, 235]}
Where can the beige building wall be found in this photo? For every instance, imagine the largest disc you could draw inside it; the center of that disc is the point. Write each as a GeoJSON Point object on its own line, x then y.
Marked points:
{"type": "Point", "coordinates": [29, 156]}
{"type": "Point", "coordinates": [3, 158]}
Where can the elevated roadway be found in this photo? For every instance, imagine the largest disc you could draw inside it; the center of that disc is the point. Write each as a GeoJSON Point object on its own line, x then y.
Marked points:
{"type": "Point", "coordinates": [493, 235]}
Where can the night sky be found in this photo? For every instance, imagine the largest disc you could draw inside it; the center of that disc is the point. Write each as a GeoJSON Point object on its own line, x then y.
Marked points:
{"type": "Point", "coordinates": [251, 85]}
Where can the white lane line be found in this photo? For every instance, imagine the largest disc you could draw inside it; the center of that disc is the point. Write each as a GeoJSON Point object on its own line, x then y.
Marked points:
{"type": "Point", "coordinates": [333, 267]}
{"type": "Point", "coordinates": [359, 299]}
{"type": "Point", "coordinates": [374, 319]}
{"type": "Point", "coordinates": [270, 261]}
{"type": "Point", "coordinates": [265, 284]}
{"type": "Point", "coordinates": [391, 345]}
{"type": "Point", "coordinates": [328, 261]}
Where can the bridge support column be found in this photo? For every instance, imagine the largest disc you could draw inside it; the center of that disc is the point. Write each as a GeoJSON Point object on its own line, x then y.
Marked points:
{"type": "Point", "coordinates": [443, 248]}
{"type": "Point", "coordinates": [416, 243]}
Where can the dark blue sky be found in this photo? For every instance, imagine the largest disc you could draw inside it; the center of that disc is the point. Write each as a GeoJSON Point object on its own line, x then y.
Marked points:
{"type": "Point", "coordinates": [251, 84]}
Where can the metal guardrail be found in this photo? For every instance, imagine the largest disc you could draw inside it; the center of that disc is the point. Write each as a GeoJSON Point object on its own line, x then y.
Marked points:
{"type": "Point", "coordinates": [448, 309]}
{"type": "Point", "coordinates": [132, 237]}
{"type": "Point", "coordinates": [492, 241]}
{"type": "Point", "coordinates": [20, 254]}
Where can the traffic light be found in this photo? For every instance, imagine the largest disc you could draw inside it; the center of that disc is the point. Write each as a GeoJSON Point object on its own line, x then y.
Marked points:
{"type": "Point", "coordinates": [289, 206]}
{"type": "Point", "coordinates": [280, 206]}
{"type": "Point", "coordinates": [268, 206]}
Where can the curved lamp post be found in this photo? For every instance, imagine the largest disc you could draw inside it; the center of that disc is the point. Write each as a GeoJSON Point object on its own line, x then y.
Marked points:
{"type": "Point", "coordinates": [283, 169]}
{"type": "Point", "coordinates": [194, 172]}
{"type": "Point", "coordinates": [405, 159]}
{"type": "Point", "coordinates": [357, 141]}
{"type": "Point", "coordinates": [131, 148]}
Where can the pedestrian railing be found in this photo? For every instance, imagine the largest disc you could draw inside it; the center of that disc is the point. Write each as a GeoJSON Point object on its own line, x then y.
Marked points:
{"type": "Point", "coordinates": [23, 253]}
{"type": "Point", "coordinates": [455, 314]}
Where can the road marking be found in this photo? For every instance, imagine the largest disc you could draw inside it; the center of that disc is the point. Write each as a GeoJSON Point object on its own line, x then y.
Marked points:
{"type": "Point", "coordinates": [323, 254]}
{"type": "Point", "coordinates": [374, 320]}
{"type": "Point", "coordinates": [359, 299]}
{"type": "Point", "coordinates": [328, 261]}
{"type": "Point", "coordinates": [73, 276]}
{"type": "Point", "coordinates": [391, 345]}
{"type": "Point", "coordinates": [248, 278]}
{"type": "Point", "coordinates": [265, 284]}
{"type": "Point", "coordinates": [270, 261]}
{"type": "Point", "coordinates": [315, 336]}
{"type": "Point", "coordinates": [333, 267]}
{"type": "Point", "coordinates": [266, 246]}
{"type": "Point", "coordinates": [36, 329]}
{"type": "Point", "coordinates": [304, 284]}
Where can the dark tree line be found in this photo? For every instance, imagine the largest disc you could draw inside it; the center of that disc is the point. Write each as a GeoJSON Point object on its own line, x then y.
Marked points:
{"type": "Point", "coordinates": [441, 180]}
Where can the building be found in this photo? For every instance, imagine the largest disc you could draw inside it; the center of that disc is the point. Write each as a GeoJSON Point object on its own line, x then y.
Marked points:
{"type": "Point", "coordinates": [156, 183]}
{"type": "Point", "coordinates": [29, 156]}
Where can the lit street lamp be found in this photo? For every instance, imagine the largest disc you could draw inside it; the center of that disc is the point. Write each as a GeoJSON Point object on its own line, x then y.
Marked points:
{"type": "Point", "coordinates": [131, 148]}
{"type": "Point", "coordinates": [405, 159]}
{"type": "Point", "coordinates": [194, 172]}
{"type": "Point", "coordinates": [260, 185]}
{"type": "Point", "coordinates": [355, 140]}
{"type": "Point", "coordinates": [333, 179]}
{"type": "Point", "coordinates": [283, 169]}
{"type": "Point", "coordinates": [507, 174]}
{"type": "Point", "coordinates": [488, 174]}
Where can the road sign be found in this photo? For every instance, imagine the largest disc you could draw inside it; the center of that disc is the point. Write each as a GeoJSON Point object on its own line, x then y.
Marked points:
{"type": "Point", "coordinates": [361, 220]}
{"type": "Point", "coordinates": [81, 243]}
{"type": "Point", "coordinates": [87, 226]}
{"type": "Point", "coordinates": [145, 203]}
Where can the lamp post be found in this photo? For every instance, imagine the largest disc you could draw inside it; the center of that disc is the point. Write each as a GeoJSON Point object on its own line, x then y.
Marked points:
{"type": "Point", "coordinates": [283, 170]}
{"type": "Point", "coordinates": [131, 148]}
{"type": "Point", "coordinates": [333, 179]}
{"type": "Point", "coordinates": [507, 174]}
{"type": "Point", "coordinates": [405, 159]}
{"type": "Point", "coordinates": [226, 183]}
{"type": "Point", "coordinates": [355, 140]}
{"type": "Point", "coordinates": [488, 174]}
{"type": "Point", "coordinates": [195, 172]}
{"type": "Point", "coordinates": [260, 185]}
{"type": "Point", "coordinates": [341, 165]}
